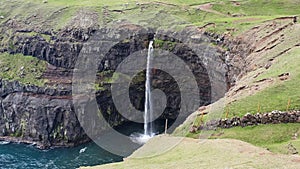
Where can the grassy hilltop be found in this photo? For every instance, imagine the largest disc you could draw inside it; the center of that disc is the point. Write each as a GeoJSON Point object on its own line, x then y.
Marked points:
{"type": "Point", "coordinates": [271, 81]}
{"type": "Point", "coordinates": [226, 15]}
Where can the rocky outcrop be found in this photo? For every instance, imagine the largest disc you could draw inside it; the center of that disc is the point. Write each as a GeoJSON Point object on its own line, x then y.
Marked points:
{"type": "Point", "coordinates": [235, 52]}
{"type": "Point", "coordinates": [46, 114]}
{"type": "Point", "coordinates": [38, 115]}
{"type": "Point", "coordinates": [59, 52]}
{"type": "Point", "coordinates": [57, 48]}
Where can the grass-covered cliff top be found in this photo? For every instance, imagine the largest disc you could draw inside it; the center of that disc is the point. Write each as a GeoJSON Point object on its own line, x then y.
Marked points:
{"type": "Point", "coordinates": [219, 16]}
{"type": "Point", "coordinates": [234, 17]}
{"type": "Point", "coordinates": [230, 17]}
{"type": "Point", "coordinates": [271, 82]}
{"type": "Point", "coordinates": [25, 69]}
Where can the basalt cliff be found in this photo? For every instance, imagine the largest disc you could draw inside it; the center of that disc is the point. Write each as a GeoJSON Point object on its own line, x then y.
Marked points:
{"type": "Point", "coordinates": [45, 115]}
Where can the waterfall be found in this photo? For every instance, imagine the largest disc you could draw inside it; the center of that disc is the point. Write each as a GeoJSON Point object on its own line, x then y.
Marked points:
{"type": "Point", "coordinates": [148, 114]}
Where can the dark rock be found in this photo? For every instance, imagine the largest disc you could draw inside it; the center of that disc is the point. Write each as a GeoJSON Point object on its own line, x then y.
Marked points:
{"type": "Point", "coordinates": [46, 115]}
{"type": "Point", "coordinates": [292, 149]}
{"type": "Point", "coordinates": [274, 117]}
{"type": "Point", "coordinates": [193, 129]}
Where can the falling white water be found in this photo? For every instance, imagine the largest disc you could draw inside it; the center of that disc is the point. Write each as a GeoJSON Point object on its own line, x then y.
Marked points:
{"type": "Point", "coordinates": [148, 114]}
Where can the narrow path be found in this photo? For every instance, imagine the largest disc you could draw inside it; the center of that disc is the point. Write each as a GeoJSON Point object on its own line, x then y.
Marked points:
{"type": "Point", "coordinates": [208, 8]}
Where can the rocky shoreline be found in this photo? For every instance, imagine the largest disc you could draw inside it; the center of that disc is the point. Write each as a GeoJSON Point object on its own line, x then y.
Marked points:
{"type": "Point", "coordinates": [40, 145]}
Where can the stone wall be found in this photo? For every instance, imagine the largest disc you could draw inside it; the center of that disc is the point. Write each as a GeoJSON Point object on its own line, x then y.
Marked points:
{"type": "Point", "coordinates": [273, 117]}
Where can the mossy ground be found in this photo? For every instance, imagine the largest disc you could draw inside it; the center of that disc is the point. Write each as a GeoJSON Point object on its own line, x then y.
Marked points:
{"type": "Point", "coordinates": [274, 137]}
{"type": "Point", "coordinates": [25, 69]}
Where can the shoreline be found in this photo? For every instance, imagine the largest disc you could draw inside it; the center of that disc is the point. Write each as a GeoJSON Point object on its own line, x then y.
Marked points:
{"type": "Point", "coordinates": [40, 145]}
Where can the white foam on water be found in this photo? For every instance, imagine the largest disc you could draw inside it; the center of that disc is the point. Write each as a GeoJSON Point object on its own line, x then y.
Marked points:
{"type": "Point", "coordinates": [140, 138]}
{"type": "Point", "coordinates": [4, 142]}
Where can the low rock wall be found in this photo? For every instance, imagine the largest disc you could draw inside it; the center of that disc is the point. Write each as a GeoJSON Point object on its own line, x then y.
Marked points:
{"type": "Point", "coordinates": [273, 117]}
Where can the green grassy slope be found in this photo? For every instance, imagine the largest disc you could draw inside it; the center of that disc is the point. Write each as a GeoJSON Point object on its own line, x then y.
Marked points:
{"type": "Point", "coordinates": [272, 93]}
{"type": "Point", "coordinates": [191, 154]}
{"type": "Point", "coordinates": [277, 96]}
{"type": "Point", "coordinates": [58, 14]}
{"type": "Point", "coordinates": [25, 69]}
{"type": "Point", "coordinates": [274, 137]}
{"type": "Point", "coordinates": [227, 16]}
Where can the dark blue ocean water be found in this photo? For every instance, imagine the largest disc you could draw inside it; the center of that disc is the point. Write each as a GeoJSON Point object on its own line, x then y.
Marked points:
{"type": "Point", "coordinates": [21, 156]}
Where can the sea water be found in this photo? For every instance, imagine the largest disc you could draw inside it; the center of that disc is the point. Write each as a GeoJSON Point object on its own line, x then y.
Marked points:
{"type": "Point", "coordinates": [21, 156]}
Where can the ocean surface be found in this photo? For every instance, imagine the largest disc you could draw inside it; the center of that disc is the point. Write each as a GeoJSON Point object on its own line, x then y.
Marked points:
{"type": "Point", "coordinates": [21, 156]}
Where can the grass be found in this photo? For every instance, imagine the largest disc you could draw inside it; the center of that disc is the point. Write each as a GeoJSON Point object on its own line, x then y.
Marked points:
{"type": "Point", "coordinates": [167, 44]}
{"type": "Point", "coordinates": [258, 8]}
{"type": "Point", "coordinates": [273, 98]}
{"type": "Point", "coordinates": [283, 146]}
{"type": "Point", "coordinates": [193, 153]}
{"type": "Point", "coordinates": [277, 96]}
{"type": "Point", "coordinates": [253, 12]}
{"type": "Point", "coordinates": [31, 34]}
{"type": "Point", "coordinates": [25, 69]}
{"type": "Point", "coordinates": [274, 137]}
{"type": "Point", "coordinates": [262, 134]}
{"type": "Point", "coordinates": [236, 25]}
{"type": "Point", "coordinates": [58, 14]}
{"type": "Point", "coordinates": [118, 2]}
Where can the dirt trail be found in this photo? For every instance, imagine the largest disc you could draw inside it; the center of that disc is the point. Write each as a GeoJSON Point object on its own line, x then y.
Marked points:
{"type": "Point", "coordinates": [208, 8]}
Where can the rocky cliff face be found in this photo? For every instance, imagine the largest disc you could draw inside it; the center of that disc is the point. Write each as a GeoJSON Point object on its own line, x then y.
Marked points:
{"type": "Point", "coordinates": [46, 114]}
{"type": "Point", "coordinates": [41, 115]}
{"type": "Point", "coordinates": [38, 115]}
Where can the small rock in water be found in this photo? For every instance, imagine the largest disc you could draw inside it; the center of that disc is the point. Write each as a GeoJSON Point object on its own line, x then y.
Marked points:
{"type": "Point", "coordinates": [1, 17]}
